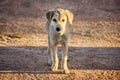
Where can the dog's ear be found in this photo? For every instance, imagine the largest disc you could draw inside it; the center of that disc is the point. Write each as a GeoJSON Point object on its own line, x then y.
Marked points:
{"type": "Point", "coordinates": [49, 14]}
{"type": "Point", "coordinates": [69, 16]}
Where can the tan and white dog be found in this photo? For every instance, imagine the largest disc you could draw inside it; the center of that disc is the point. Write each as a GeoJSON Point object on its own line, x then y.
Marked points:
{"type": "Point", "coordinates": [58, 33]}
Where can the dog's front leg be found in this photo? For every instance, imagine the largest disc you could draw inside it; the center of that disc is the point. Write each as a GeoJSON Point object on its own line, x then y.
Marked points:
{"type": "Point", "coordinates": [50, 54]}
{"type": "Point", "coordinates": [64, 58]}
{"type": "Point", "coordinates": [55, 58]}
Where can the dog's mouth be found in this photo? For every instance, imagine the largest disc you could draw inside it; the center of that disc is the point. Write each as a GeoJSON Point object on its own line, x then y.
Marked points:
{"type": "Point", "coordinates": [59, 31]}
{"type": "Point", "coordinates": [58, 34]}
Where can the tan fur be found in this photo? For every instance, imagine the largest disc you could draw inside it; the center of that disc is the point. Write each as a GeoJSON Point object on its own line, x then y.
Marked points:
{"type": "Point", "coordinates": [58, 18]}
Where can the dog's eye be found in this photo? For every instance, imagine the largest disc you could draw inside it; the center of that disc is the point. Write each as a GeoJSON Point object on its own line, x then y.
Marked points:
{"type": "Point", "coordinates": [63, 20]}
{"type": "Point", "coordinates": [54, 20]}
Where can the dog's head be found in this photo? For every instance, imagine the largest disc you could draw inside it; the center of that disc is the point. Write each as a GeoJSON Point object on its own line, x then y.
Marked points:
{"type": "Point", "coordinates": [58, 18]}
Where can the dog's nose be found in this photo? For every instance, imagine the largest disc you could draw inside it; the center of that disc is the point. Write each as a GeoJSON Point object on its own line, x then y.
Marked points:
{"type": "Point", "coordinates": [58, 29]}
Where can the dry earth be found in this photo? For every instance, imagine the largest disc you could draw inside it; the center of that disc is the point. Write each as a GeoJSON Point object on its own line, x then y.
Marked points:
{"type": "Point", "coordinates": [94, 52]}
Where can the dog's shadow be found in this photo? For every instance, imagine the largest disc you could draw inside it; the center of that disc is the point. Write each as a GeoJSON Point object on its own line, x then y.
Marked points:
{"type": "Point", "coordinates": [30, 59]}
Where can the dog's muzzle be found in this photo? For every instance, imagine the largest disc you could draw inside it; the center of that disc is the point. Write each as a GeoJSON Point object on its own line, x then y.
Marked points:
{"type": "Point", "coordinates": [58, 29]}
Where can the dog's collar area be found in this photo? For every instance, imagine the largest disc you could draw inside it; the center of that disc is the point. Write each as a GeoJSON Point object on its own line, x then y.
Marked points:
{"type": "Point", "coordinates": [59, 38]}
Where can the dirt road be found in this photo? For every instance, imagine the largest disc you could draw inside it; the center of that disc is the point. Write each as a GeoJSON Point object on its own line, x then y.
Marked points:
{"type": "Point", "coordinates": [30, 63]}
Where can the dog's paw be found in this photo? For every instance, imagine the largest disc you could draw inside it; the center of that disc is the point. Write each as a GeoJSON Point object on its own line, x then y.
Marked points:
{"type": "Point", "coordinates": [66, 71]}
{"type": "Point", "coordinates": [49, 63]}
{"type": "Point", "coordinates": [54, 68]}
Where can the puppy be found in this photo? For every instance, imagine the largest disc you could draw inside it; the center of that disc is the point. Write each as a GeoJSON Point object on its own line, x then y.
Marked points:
{"type": "Point", "coordinates": [58, 33]}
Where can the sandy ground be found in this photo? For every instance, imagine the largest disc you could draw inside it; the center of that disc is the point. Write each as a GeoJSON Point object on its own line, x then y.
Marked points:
{"type": "Point", "coordinates": [94, 46]}
{"type": "Point", "coordinates": [85, 63]}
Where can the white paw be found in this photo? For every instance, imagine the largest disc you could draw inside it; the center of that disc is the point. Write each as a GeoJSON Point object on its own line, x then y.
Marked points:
{"type": "Point", "coordinates": [66, 71]}
{"type": "Point", "coordinates": [49, 62]}
{"type": "Point", "coordinates": [54, 68]}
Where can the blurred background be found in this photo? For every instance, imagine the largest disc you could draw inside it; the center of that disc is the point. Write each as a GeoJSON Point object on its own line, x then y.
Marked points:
{"type": "Point", "coordinates": [96, 19]}
{"type": "Point", "coordinates": [83, 9]}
